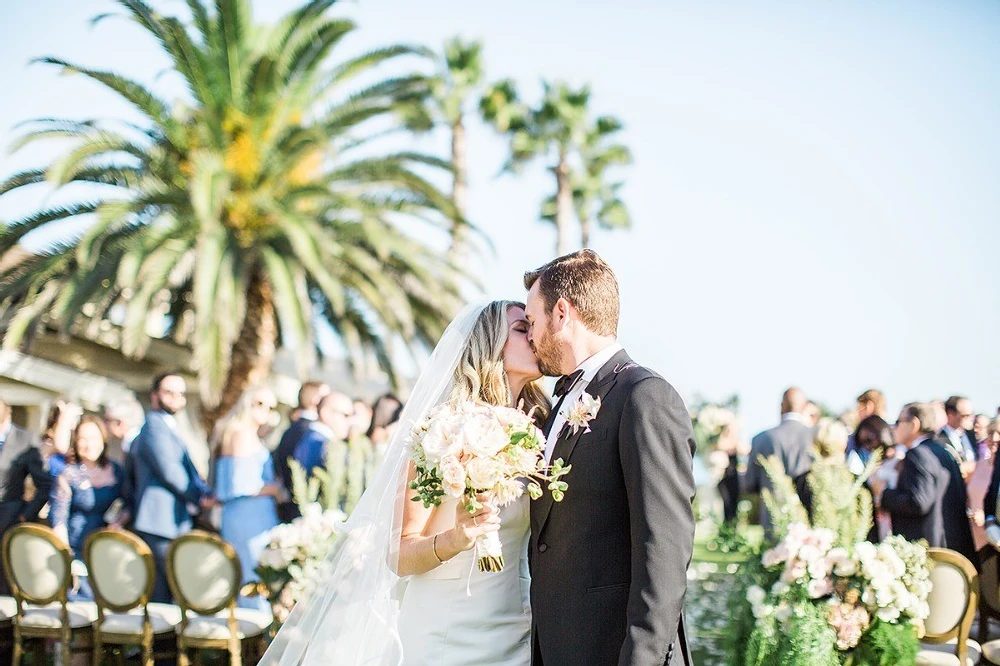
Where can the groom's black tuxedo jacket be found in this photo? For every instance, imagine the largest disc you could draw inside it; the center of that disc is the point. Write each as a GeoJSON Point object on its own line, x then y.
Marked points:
{"type": "Point", "coordinates": [609, 562]}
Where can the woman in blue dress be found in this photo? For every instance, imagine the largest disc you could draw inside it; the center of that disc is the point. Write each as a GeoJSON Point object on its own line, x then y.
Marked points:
{"type": "Point", "coordinates": [86, 490]}
{"type": "Point", "coordinates": [245, 483]}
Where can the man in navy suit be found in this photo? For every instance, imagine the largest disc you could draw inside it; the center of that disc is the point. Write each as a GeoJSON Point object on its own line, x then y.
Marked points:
{"type": "Point", "coordinates": [164, 486]}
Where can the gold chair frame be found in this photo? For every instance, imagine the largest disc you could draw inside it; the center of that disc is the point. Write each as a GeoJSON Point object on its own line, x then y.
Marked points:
{"type": "Point", "coordinates": [961, 630]}
{"type": "Point", "coordinates": [233, 644]}
{"type": "Point", "coordinates": [62, 634]}
{"type": "Point", "coordinates": [148, 636]}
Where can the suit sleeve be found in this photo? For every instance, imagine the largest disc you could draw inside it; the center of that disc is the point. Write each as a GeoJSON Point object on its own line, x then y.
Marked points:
{"type": "Point", "coordinates": [168, 468]}
{"type": "Point", "coordinates": [753, 480]}
{"type": "Point", "coordinates": [39, 473]}
{"type": "Point", "coordinates": [656, 447]}
{"type": "Point", "coordinates": [914, 492]}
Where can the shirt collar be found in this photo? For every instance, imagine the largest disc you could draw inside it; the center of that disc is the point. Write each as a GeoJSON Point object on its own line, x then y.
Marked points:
{"type": "Point", "coordinates": [308, 414]}
{"type": "Point", "coordinates": [597, 361]}
{"type": "Point", "coordinates": [953, 432]}
{"type": "Point", "coordinates": [170, 420]}
{"type": "Point", "coordinates": [793, 416]}
{"type": "Point", "coordinates": [322, 429]}
{"type": "Point", "coordinates": [918, 441]}
{"type": "Point", "coordinates": [6, 433]}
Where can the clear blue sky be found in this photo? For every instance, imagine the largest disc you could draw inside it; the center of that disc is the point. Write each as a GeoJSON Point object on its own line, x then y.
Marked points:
{"type": "Point", "coordinates": [814, 191]}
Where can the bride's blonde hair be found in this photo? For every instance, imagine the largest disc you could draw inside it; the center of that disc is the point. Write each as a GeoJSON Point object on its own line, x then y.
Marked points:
{"type": "Point", "coordinates": [480, 374]}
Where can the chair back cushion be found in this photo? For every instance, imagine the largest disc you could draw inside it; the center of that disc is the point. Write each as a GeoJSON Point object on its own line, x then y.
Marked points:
{"type": "Point", "coordinates": [37, 566]}
{"type": "Point", "coordinates": [119, 573]}
{"type": "Point", "coordinates": [206, 577]}
{"type": "Point", "coordinates": [948, 599]}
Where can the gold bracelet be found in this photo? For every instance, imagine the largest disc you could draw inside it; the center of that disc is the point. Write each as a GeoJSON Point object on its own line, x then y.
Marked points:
{"type": "Point", "coordinates": [435, 550]}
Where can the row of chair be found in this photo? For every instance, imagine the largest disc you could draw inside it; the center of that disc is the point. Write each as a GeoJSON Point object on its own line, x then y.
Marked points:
{"type": "Point", "coordinates": [204, 576]}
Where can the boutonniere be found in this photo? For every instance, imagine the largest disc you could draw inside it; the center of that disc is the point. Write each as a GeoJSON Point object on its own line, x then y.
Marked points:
{"type": "Point", "coordinates": [583, 412]}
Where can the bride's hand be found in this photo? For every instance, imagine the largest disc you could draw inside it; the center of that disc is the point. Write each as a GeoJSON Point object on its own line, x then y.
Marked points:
{"type": "Point", "coordinates": [469, 526]}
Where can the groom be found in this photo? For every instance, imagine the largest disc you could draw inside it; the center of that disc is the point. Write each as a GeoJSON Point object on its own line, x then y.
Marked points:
{"type": "Point", "coordinates": [609, 562]}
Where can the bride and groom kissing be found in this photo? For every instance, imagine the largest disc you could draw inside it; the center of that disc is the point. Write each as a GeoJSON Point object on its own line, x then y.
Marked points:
{"type": "Point", "coordinates": [594, 580]}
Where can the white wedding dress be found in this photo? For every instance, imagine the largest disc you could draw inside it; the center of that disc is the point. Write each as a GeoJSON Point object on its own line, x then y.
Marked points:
{"type": "Point", "coordinates": [456, 615]}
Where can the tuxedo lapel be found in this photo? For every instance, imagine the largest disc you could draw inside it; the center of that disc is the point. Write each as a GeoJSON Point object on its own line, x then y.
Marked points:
{"type": "Point", "coordinates": [599, 387]}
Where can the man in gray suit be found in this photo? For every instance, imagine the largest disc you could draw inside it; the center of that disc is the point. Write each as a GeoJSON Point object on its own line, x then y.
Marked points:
{"type": "Point", "coordinates": [791, 441]}
{"type": "Point", "coordinates": [20, 457]}
{"type": "Point", "coordinates": [162, 483]}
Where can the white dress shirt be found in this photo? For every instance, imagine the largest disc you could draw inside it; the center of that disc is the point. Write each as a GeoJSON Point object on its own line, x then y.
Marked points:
{"type": "Point", "coordinates": [590, 368]}
{"type": "Point", "coordinates": [960, 440]}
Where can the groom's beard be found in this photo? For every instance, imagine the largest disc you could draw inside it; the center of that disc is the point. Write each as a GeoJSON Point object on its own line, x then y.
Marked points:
{"type": "Point", "coordinates": [549, 358]}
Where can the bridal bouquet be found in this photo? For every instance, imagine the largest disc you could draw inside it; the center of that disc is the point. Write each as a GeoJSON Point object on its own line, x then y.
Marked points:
{"type": "Point", "coordinates": [464, 449]}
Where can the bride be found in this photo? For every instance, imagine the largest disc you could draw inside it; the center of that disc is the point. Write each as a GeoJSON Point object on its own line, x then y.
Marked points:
{"type": "Point", "coordinates": [401, 587]}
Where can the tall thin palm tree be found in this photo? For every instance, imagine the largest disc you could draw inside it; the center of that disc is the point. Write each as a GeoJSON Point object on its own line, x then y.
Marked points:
{"type": "Point", "coordinates": [258, 204]}
{"type": "Point", "coordinates": [459, 79]}
{"type": "Point", "coordinates": [559, 132]}
{"type": "Point", "coordinates": [595, 196]}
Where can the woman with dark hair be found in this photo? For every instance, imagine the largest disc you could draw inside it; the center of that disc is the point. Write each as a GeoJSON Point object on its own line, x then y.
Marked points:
{"type": "Point", "coordinates": [385, 413]}
{"type": "Point", "coordinates": [86, 489]}
{"type": "Point", "coordinates": [873, 434]}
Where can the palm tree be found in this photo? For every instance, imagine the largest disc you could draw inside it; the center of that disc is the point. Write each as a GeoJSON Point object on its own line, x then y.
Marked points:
{"type": "Point", "coordinates": [558, 132]}
{"type": "Point", "coordinates": [458, 80]}
{"type": "Point", "coordinates": [247, 211]}
{"type": "Point", "coordinates": [595, 197]}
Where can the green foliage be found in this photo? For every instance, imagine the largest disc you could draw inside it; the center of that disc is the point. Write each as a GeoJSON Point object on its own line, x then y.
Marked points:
{"type": "Point", "coordinates": [886, 644]}
{"type": "Point", "coordinates": [781, 500]}
{"type": "Point", "coordinates": [340, 483]}
{"type": "Point", "coordinates": [743, 637]}
{"type": "Point", "coordinates": [841, 502]}
{"type": "Point", "coordinates": [806, 640]}
{"type": "Point", "coordinates": [270, 176]}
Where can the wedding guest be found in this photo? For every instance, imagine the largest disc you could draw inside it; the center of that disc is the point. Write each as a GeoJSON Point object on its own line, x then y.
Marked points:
{"type": "Point", "coordinates": [164, 484]}
{"type": "Point", "coordinates": [957, 431]}
{"type": "Point", "coordinates": [335, 412]}
{"type": "Point", "coordinates": [812, 414]}
{"type": "Point", "coordinates": [940, 416]}
{"type": "Point", "coordinates": [979, 482]}
{"type": "Point", "coordinates": [86, 491]}
{"type": "Point", "coordinates": [20, 459]}
{"type": "Point", "coordinates": [362, 420]}
{"type": "Point", "coordinates": [980, 430]}
{"type": "Point", "coordinates": [874, 437]}
{"type": "Point", "coordinates": [791, 441]}
{"type": "Point", "coordinates": [385, 414]}
{"type": "Point", "coordinates": [63, 417]}
{"type": "Point", "coordinates": [929, 499]}
{"type": "Point", "coordinates": [310, 394]}
{"type": "Point", "coordinates": [831, 438]}
{"type": "Point", "coordinates": [990, 499]}
{"type": "Point", "coordinates": [869, 403]}
{"type": "Point", "coordinates": [123, 420]}
{"type": "Point", "coordinates": [245, 483]}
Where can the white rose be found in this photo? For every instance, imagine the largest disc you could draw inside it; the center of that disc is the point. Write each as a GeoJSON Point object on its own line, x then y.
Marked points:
{"type": "Point", "coordinates": [452, 476]}
{"type": "Point", "coordinates": [755, 595]}
{"type": "Point", "coordinates": [809, 553]}
{"type": "Point", "coordinates": [483, 473]}
{"type": "Point", "coordinates": [273, 558]}
{"type": "Point", "coordinates": [443, 438]}
{"type": "Point", "coordinates": [484, 437]}
{"type": "Point", "coordinates": [865, 552]}
{"type": "Point", "coordinates": [845, 568]}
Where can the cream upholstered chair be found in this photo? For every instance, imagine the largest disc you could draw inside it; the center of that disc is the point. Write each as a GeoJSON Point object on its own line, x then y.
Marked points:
{"type": "Point", "coordinates": [204, 575]}
{"type": "Point", "coordinates": [952, 600]}
{"type": "Point", "coordinates": [122, 576]}
{"type": "Point", "coordinates": [37, 563]}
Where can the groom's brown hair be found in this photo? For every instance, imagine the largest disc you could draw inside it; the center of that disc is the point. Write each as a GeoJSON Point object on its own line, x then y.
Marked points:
{"type": "Point", "coordinates": [587, 282]}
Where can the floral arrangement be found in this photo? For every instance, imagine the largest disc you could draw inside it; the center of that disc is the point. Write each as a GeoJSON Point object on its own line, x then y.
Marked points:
{"type": "Point", "coordinates": [294, 556]}
{"type": "Point", "coordinates": [823, 595]}
{"type": "Point", "coordinates": [461, 450]}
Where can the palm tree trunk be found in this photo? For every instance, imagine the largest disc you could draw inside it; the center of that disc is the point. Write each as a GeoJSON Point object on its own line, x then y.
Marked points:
{"type": "Point", "coordinates": [459, 193]}
{"type": "Point", "coordinates": [254, 351]}
{"type": "Point", "coordinates": [585, 226]}
{"type": "Point", "coordinates": [564, 205]}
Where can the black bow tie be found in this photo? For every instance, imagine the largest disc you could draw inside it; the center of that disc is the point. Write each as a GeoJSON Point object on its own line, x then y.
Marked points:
{"type": "Point", "coordinates": [566, 383]}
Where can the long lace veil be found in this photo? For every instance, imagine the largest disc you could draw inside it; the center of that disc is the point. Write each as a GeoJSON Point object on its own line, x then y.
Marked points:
{"type": "Point", "coordinates": [350, 618]}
